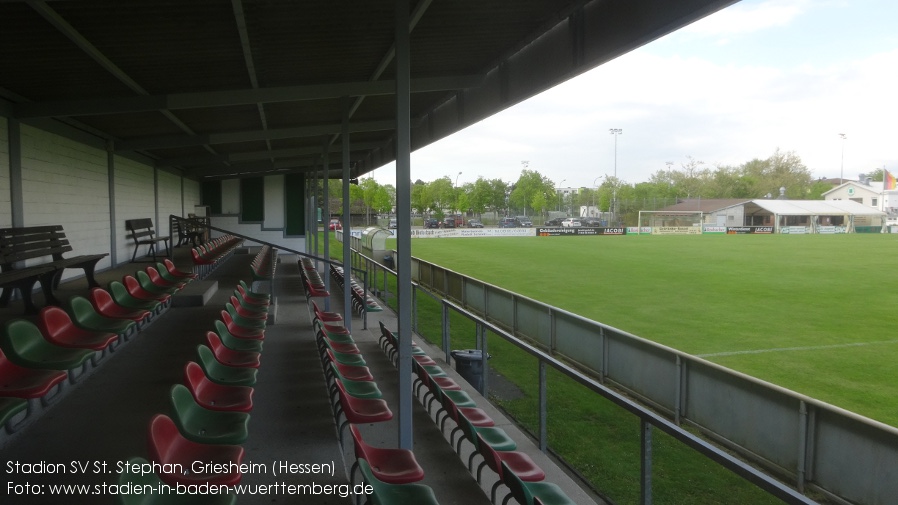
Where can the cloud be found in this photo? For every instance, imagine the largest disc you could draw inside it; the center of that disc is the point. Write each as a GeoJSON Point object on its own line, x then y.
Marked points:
{"type": "Point", "coordinates": [746, 17]}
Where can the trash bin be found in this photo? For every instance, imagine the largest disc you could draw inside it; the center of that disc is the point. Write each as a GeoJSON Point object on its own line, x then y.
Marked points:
{"type": "Point", "coordinates": [469, 364]}
{"type": "Point", "coordinates": [388, 262]}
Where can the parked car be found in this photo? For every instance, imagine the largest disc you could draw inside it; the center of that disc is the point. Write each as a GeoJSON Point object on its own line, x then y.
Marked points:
{"type": "Point", "coordinates": [571, 222]}
{"type": "Point", "coordinates": [431, 223]}
{"type": "Point", "coordinates": [335, 225]}
{"type": "Point", "coordinates": [509, 222]}
{"type": "Point", "coordinates": [392, 224]}
{"type": "Point", "coordinates": [554, 222]}
{"type": "Point", "coordinates": [524, 221]}
{"type": "Point", "coordinates": [449, 222]}
{"type": "Point", "coordinates": [473, 223]}
{"type": "Point", "coordinates": [591, 221]}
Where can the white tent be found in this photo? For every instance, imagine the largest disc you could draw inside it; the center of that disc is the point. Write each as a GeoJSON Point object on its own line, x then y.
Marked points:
{"type": "Point", "coordinates": [815, 216]}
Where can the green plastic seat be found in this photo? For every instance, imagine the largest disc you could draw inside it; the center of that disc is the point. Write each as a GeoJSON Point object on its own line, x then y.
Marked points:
{"type": "Point", "coordinates": [247, 305]}
{"type": "Point", "coordinates": [10, 407]}
{"type": "Point", "coordinates": [149, 480]}
{"type": "Point", "coordinates": [224, 374]}
{"type": "Point", "coordinates": [236, 343]}
{"type": "Point", "coordinates": [206, 426]}
{"type": "Point", "coordinates": [121, 296]}
{"type": "Point", "coordinates": [346, 359]}
{"type": "Point", "coordinates": [525, 492]}
{"type": "Point", "coordinates": [86, 316]}
{"type": "Point", "coordinates": [497, 438]}
{"type": "Point", "coordinates": [257, 324]}
{"type": "Point", "coordinates": [254, 294]}
{"type": "Point", "coordinates": [146, 283]}
{"type": "Point", "coordinates": [396, 494]}
{"type": "Point", "coordinates": [24, 345]}
{"type": "Point", "coordinates": [168, 276]}
{"type": "Point", "coordinates": [358, 389]}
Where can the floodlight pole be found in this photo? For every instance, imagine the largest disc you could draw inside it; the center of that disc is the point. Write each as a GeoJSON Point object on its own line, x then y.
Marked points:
{"type": "Point", "coordinates": [615, 132]}
{"type": "Point", "coordinates": [842, 169]}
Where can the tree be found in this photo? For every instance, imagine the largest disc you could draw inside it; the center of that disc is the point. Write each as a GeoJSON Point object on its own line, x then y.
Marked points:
{"type": "Point", "coordinates": [532, 190]}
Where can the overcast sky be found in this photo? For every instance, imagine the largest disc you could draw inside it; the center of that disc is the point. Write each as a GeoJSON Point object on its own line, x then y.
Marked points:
{"type": "Point", "coordinates": [737, 85]}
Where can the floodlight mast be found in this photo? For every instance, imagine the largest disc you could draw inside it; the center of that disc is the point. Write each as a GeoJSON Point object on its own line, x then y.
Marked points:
{"type": "Point", "coordinates": [615, 132]}
{"type": "Point", "coordinates": [842, 168]}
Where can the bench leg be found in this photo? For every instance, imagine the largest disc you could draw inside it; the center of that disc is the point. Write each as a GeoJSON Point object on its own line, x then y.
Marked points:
{"type": "Point", "coordinates": [134, 256]}
{"type": "Point", "coordinates": [89, 273]}
{"type": "Point", "coordinates": [47, 283]}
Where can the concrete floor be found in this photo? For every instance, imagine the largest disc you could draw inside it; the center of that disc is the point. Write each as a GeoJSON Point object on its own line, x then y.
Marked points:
{"type": "Point", "coordinates": [103, 418]}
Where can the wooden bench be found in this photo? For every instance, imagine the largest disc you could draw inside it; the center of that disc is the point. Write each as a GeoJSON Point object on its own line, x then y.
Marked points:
{"type": "Point", "coordinates": [23, 280]}
{"type": "Point", "coordinates": [31, 243]}
{"type": "Point", "coordinates": [142, 233]}
{"type": "Point", "coordinates": [185, 231]}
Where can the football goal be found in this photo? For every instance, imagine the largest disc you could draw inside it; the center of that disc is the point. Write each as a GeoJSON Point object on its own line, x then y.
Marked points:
{"type": "Point", "coordinates": [668, 222]}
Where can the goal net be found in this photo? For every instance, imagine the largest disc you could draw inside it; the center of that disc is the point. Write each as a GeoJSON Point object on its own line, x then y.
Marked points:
{"type": "Point", "coordinates": [667, 222]}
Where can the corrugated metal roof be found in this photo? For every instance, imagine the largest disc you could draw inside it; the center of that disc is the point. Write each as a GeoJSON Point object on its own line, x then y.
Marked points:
{"type": "Point", "coordinates": [184, 84]}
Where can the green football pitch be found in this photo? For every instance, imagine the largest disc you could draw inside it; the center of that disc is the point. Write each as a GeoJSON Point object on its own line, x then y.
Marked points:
{"type": "Point", "coordinates": [812, 313]}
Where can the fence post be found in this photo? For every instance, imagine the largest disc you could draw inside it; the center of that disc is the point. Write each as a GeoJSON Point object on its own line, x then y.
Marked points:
{"type": "Point", "coordinates": [543, 409]}
{"type": "Point", "coordinates": [645, 480]}
{"type": "Point", "coordinates": [446, 332]}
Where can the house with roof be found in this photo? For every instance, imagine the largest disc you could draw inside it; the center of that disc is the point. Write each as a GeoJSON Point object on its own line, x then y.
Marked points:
{"type": "Point", "coordinates": [870, 193]}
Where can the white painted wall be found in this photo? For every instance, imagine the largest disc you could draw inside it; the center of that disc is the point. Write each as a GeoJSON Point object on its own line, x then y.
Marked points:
{"type": "Point", "coordinates": [5, 209]}
{"type": "Point", "coordinates": [169, 200]}
{"type": "Point", "coordinates": [274, 202]}
{"type": "Point", "coordinates": [134, 199]}
{"type": "Point", "coordinates": [64, 182]}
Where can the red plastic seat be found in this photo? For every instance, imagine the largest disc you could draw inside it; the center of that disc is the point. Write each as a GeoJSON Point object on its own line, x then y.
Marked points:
{"type": "Point", "coordinates": [252, 300]}
{"type": "Point", "coordinates": [172, 269]}
{"type": "Point", "coordinates": [360, 410]}
{"type": "Point", "coordinates": [241, 331]}
{"type": "Point", "coordinates": [391, 465]}
{"type": "Point", "coordinates": [247, 313]}
{"type": "Point", "coordinates": [170, 449]}
{"type": "Point", "coordinates": [157, 279]}
{"type": "Point", "coordinates": [137, 291]}
{"type": "Point", "coordinates": [58, 328]}
{"type": "Point", "coordinates": [215, 396]}
{"type": "Point", "coordinates": [325, 317]}
{"type": "Point", "coordinates": [351, 372]}
{"type": "Point", "coordinates": [519, 462]}
{"type": "Point", "coordinates": [105, 305]}
{"type": "Point", "coordinates": [230, 357]}
{"type": "Point", "coordinates": [22, 382]}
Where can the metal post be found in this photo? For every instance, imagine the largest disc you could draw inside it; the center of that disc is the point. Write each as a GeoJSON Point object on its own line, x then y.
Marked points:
{"type": "Point", "coordinates": [645, 481]}
{"type": "Point", "coordinates": [484, 360]}
{"type": "Point", "coordinates": [543, 409]}
{"type": "Point", "coordinates": [802, 445]}
{"type": "Point", "coordinates": [403, 219]}
{"type": "Point", "coordinates": [447, 333]}
{"type": "Point", "coordinates": [347, 222]}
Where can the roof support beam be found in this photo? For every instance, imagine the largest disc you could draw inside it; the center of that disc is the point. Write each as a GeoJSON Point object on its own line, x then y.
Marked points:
{"type": "Point", "coordinates": [248, 136]}
{"type": "Point", "coordinates": [176, 101]}
{"type": "Point", "coordinates": [253, 156]}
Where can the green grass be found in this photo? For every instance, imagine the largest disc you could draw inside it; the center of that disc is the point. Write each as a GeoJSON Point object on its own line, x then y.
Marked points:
{"type": "Point", "coordinates": [721, 294]}
{"type": "Point", "coordinates": [804, 295]}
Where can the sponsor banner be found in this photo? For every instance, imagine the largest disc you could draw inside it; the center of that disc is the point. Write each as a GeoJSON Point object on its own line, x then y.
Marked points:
{"type": "Point", "coordinates": [831, 229]}
{"type": "Point", "coordinates": [740, 230]}
{"type": "Point", "coordinates": [677, 230]}
{"type": "Point", "coordinates": [473, 232]}
{"type": "Point", "coordinates": [794, 230]}
{"type": "Point", "coordinates": [715, 229]}
{"type": "Point", "coordinates": [570, 232]}
{"type": "Point", "coordinates": [637, 230]}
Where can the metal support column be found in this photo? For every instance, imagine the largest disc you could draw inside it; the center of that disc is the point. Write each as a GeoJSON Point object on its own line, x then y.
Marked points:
{"type": "Point", "coordinates": [347, 222]}
{"type": "Point", "coordinates": [403, 221]}
{"type": "Point", "coordinates": [110, 177]}
{"type": "Point", "coordinates": [326, 218]}
{"type": "Point", "coordinates": [645, 484]}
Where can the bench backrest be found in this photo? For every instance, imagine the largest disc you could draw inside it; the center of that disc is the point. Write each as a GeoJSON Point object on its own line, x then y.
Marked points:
{"type": "Point", "coordinates": [19, 244]}
{"type": "Point", "coordinates": [140, 228]}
